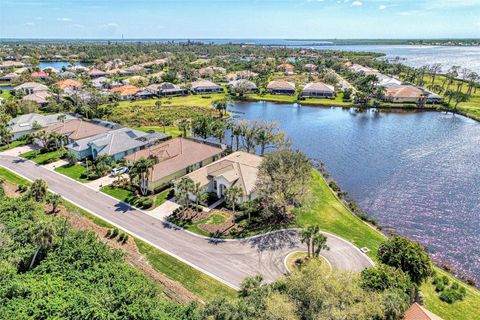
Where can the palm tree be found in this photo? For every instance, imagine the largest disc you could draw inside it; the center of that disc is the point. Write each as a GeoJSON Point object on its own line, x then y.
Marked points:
{"type": "Point", "coordinates": [183, 190]}
{"type": "Point", "coordinates": [449, 93]}
{"type": "Point", "coordinates": [460, 97]}
{"type": "Point", "coordinates": [306, 237]}
{"type": "Point", "coordinates": [54, 200]}
{"type": "Point", "coordinates": [38, 190]}
{"type": "Point", "coordinates": [44, 237]}
{"type": "Point", "coordinates": [221, 106]}
{"type": "Point", "coordinates": [141, 170]}
{"type": "Point", "coordinates": [319, 243]}
{"type": "Point", "coordinates": [314, 239]}
{"type": "Point", "coordinates": [232, 195]}
{"type": "Point", "coordinates": [184, 125]}
{"type": "Point", "coordinates": [198, 192]}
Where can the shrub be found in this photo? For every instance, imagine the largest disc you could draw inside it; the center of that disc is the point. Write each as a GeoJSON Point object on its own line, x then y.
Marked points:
{"type": "Point", "coordinates": [125, 238]}
{"type": "Point", "coordinates": [450, 295]}
{"type": "Point", "coordinates": [145, 202]}
{"type": "Point", "coordinates": [114, 233]}
{"type": "Point", "coordinates": [22, 188]}
{"type": "Point", "coordinates": [109, 233]}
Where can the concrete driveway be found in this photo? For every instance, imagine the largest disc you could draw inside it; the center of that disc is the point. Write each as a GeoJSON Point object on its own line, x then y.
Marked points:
{"type": "Point", "coordinates": [227, 261]}
{"type": "Point", "coordinates": [19, 150]}
{"type": "Point", "coordinates": [102, 182]}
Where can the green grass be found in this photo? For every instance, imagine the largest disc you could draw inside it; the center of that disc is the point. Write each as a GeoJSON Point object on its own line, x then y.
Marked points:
{"type": "Point", "coordinates": [75, 172]}
{"type": "Point", "coordinates": [11, 177]}
{"type": "Point", "coordinates": [272, 97]}
{"type": "Point", "coordinates": [326, 210]}
{"type": "Point", "coordinates": [12, 145]}
{"type": "Point", "coordinates": [182, 101]}
{"type": "Point", "coordinates": [171, 130]}
{"type": "Point", "coordinates": [43, 158]}
{"type": "Point", "coordinates": [119, 193]}
{"type": "Point", "coordinates": [161, 197]}
{"type": "Point", "coordinates": [337, 102]}
{"type": "Point", "coordinates": [193, 280]}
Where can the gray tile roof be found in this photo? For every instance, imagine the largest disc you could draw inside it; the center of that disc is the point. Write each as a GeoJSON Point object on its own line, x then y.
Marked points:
{"type": "Point", "coordinates": [25, 122]}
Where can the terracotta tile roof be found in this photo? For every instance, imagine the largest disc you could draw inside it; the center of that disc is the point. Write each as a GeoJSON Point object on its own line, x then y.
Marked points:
{"type": "Point", "coordinates": [127, 90]}
{"type": "Point", "coordinates": [39, 74]}
{"type": "Point", "coordinates": [318, 86]}
{"type": "Point", "coordinates": [402, 91]}
{"type": "Point", "coordinates": [174, 155]}
{"type": "Point", "coordinates": [69, 83]}
{"type": "Point", "coordinates": [76, 129]}
{"type": "Point", "coordinates": [417, 312]}
{"type": "Point", "coordinates": [285, 66]}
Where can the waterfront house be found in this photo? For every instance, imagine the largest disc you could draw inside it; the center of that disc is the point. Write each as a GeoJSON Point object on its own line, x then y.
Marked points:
{"type": "Point", "coordinates": [9, 77]}
{"type": "Point", "coordinates": [167, 89]}
{"type": "Point", "coordinates": [310, 67]}
{"type": "Point", "coordinates": [176, 157]}
{"type": "Point", "coordinates": [116, 143]}
{"type": "Point", "coordinates": [28, 123]}
{"type": "Point", "coordinates": [404, 94]}
{"type": "Point", "coordinates": [205, 86]}
{"type": "Point", "coordinates": [31, 87]}
{"type": "Point", "coordinates": [238, 169]}
{"type": "Point", "coordinates": [246, 74]}
{"type": "Point", "coordinates": [242, 86]}
{"type": "Point", "coordinates": [281, 87]}
{"type": "Point", "coordinates": [11, 64]}
{"type": "Point", "coordinates": [318, 90]}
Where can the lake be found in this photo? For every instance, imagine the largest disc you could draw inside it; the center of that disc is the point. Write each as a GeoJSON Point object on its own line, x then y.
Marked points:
{"type": "Point", "coordinates": [417, 173]}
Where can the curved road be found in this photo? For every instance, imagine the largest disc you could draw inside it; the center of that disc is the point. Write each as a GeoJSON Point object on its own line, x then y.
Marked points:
{"type": "Point", "coordinates": [229, 261]}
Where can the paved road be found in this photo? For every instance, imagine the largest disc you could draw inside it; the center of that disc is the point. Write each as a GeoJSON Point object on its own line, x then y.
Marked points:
{"type": "Point", "coordinates": [227, 261]}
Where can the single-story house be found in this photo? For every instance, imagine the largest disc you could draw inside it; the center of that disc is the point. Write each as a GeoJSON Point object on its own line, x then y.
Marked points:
{"type": "Point", "coordinates": [170, 89]}
{"type": "Point", "coordinates": [404, 94]}
{"type": "Point", "coordinates": [126, 92]}
{"type": "Point", "coordinates": [177, 157]}
{"type": "Point", "coordinates": [28, 123]}
{"type": "Point", "coordinates": [242, 85]}
{"type": "Point", "coordinates": [246, 74]}
{"type": "Point", "coordinates": [31, 87]}
{"type": "Point", "coordinates": [205, 86]}
{"type": "Point", "coordinates": [70, 84]}
{"type": "Point", "coordinates": [9, 76]}
{"type": "Point", "coordinates": [318, 90]}
{"type": "Point", "coordinates": [386, 81]}
{"type": "Point", "coordinates": [39, 97]}
{"type": "Point", "coordinates": [76, 129]}
{"type": "Point", "coordinates": [95, 73]}
{"type": "Point", "coordinates": [115, 143]}
{"type": "Point", "coordinates": [357, 68]}
{"type": "Point", "coordinates": [281, 87]}
{"type": "Point", "coordinates": [11, 64]}
{"type": "Point", "coordinates": [144, 94]}
{"type": "Point", "coordinates": [100, 82]}
{"type": "Point", "coordinates": [238, 169]}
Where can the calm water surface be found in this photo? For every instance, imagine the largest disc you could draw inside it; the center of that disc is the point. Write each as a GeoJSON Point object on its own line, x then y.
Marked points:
{"type": "Point", "coordinates": [418, 173]}
{"type": "Point", "coordinates": [56, 64]}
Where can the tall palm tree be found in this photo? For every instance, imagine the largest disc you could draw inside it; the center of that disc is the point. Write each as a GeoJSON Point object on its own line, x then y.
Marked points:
{"type": "Point", "coordinates": [305, 237]}
{"type": "Point", "coordinates": [183, 190]}
{"type": "Point", "coordinates": [44, 237]}
{"type": "Point", "coordinates": [54, 200]}
{"type": "Point", "coordinates": [141, 170]}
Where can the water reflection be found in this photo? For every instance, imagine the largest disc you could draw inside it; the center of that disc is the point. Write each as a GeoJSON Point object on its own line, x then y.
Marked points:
{"type": "Point", "coordinates": [418, 172]}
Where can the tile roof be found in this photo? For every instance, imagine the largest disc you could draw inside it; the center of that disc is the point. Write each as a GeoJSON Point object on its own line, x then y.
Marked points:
{"type": "Point", "coordinates": [417, 312]}
{"type": "Point", "coordinates": [26, 121]}
{"type": "Point", "coordinates": [281, 84]}
{"type": "Point", "coordinates": [76, 129]}
{"type": "Point", "coordinates": [174, 155]}
{"type": "Point", "coordinates": [127, 90]}
{"type": "Point", "coordinates": [318, 86]}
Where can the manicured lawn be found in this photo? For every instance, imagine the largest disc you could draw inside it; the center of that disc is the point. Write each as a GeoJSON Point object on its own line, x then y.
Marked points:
{"type": "Point", "coordinates": [12, 145]}
{"type": "Point", "coordinates": [325, 210]}
{"type": "Point", "coordinates": [338, 101]}
{"type": "Point", "coordinates": [171, 130]}
{"type": "Point", "coordinates": [273, 98]}
{"type": "Point", "coordinates": [75, 172]}
{"type": "Point", "coordinates": [119, 193]}
{"type": "Point", "coordinates": [195, 281]}
{"type": "Point", "coordinates": [329, 213]}
{"type": "Point", "coordinates": [161, 197]}
{"type": "Point", "coordinates": [43, 158]}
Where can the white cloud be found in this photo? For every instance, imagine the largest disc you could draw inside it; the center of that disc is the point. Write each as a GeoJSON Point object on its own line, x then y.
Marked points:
{"type": "Point", "coordinates": [64, 19]}
{"type": "Point", "coordinates": [357, 3]}
{"type": "Point", "coordinates": [110, 25]}
{"type": "Point", "coordinates": [30, 24]}
{"type": "Point", "coordinates": [382, 7]}
{"type": "Point", "coordinates": [76, 25]}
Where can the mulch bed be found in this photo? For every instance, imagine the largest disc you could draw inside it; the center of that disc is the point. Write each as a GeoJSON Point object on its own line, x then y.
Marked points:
{"type": "Point", "coordinates": [219, 228]}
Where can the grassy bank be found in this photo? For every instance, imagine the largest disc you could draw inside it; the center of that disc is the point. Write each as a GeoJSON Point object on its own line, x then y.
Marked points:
{"type": "Point", "coordinates": [171, 130]}
{"type": "Point", "coordinates": [43, 158]}
{"type": "Point", "coordinates": [326, 210]}
{"type": "Point", "coordinates": [195, 281]}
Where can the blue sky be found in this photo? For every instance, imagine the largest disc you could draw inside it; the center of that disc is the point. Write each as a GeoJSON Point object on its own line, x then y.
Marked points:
{"type": "Point", "coordinates": [239, 18]}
